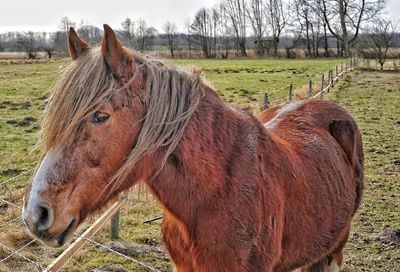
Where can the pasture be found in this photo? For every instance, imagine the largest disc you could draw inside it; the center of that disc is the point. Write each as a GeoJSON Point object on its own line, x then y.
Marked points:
{"type": "Point", "coordinates": [373, 98]}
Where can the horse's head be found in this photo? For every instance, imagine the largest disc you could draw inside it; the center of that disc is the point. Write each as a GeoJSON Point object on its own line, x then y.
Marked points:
{"type": "Point", "coordinates": [91, 123]}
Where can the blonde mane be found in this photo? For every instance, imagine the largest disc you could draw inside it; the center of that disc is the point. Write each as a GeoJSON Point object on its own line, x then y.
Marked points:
{"type": "Point", "coordinates": [171, 97]}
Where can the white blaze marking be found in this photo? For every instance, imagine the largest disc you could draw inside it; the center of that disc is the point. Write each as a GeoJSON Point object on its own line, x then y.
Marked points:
{"type": "Point", "coordinates": [40, 182]}
{"type": "Point", "coordinates": [282, 112]}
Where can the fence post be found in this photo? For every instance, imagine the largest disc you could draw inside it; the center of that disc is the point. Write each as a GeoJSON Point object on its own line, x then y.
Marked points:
{"type": "Point", "coordinates": [114, 232]}
{"type": "Point", "coordinates": [290, 92]}
{"type": "Point", "coordinates": [337, 72]}
{"type": "Point", "coordinates": [329, 80]}
{"type": "Point", "coordinates": [341, 67]}
{"type": "Point", "coordinates": [310, 88]}
{"type": "Point", "coordinates": [322, 83]}
{"type": "Point", "coordinates": [266, 102]}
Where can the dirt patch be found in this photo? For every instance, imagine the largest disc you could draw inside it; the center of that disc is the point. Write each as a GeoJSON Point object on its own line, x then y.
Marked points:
{"type": "Point", "coordinates": [27, 121]}
{"type": "Point", "coordinates": [148, 241]}
{"type": "Point", "coordinates": [109, 268]}
{"type": "Point", "coordinates": [26, 105]}
{"type": "Point", "coordinates": [233, 71]}
{"type": "Point", "coordinates": [390, 237]}
{"type": "Point", "coordinates": [32, 129]}
{"type": "Point", "coordinates": [10, 171]}
{"type": "Point", "coordinates": [12, 122]}
{"type": "Point", "coordinates": [136, 250]}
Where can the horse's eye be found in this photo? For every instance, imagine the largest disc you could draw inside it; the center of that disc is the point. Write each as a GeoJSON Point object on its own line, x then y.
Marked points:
{"type": "Point", "coordinates": [100, 118]}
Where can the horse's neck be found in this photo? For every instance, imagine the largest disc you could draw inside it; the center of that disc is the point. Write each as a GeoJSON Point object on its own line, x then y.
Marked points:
{"type": "Point", "coordinates": [200, 167]}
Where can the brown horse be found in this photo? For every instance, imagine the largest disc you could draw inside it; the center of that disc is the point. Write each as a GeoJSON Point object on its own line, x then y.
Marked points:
{"type": "Point", "coordinates": [239, 193]}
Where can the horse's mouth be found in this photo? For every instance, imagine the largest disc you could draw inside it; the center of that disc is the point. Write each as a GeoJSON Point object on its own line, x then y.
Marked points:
{"type": "Point", "coordinates": [59, 239]}
{"type": "Point", "coordinates": [62, 238]}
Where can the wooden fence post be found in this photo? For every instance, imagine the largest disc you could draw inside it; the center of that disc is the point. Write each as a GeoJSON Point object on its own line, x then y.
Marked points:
{"type": "Point", "coordinates": [329, 79]}
{"type": "Point", "coordinates": [310, 88]}
{"type": "Point", "coordinates": [290, 92]}
{"type": "Point", "coordinates": [341, 67]}
{"type": "Point", "coordinates": [266, 102]}
{"type": "Point", "coordinates": [322, 84]}
{"type": "Point", "coordinates": [337, 72]}
{"type": "Point", "coordinates": [114, 231]}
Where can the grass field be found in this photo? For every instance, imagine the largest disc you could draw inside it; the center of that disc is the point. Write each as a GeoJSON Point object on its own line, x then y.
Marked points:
{"type": "Point", "coordinates": [373, 98]}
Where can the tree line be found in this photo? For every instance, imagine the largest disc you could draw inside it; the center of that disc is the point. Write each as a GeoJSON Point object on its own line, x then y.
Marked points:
{"type": "Point", "coordinates": [317, 28]}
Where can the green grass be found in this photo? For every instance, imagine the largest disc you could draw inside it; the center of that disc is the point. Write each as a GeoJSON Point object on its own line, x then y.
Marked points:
{"type": "Point", "coordinates": [372, 98]}
{"type": "Point", "coordinates": [244, 82]}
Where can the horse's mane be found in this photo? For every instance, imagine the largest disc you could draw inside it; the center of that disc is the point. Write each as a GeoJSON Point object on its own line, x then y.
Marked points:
{"type": "Point", "coordinates": [171, 96]}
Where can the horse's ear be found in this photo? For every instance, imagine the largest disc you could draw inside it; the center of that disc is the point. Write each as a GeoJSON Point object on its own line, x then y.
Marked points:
{"type": "Point", "coordinates": [115, 56]}
{"type": "Point", "coordinates": [76, 45]}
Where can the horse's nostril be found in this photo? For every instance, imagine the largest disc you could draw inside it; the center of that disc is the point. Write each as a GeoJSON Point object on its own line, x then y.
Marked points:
{"type": "Point", "coordinates": [44, 216]}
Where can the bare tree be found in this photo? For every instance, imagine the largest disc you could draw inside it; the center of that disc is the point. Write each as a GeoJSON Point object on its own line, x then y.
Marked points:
{"type": "Point", "coordinates": [256, 14]}
{"type": "Point", "coordinates": [144, 35]}
{"type": "Point", "coordinates": [345, 17]}
{"type": "Point", "coordinates": [47, 44]}
{"type": "Point", "coordinates": [128, 31]}
{"type": "Point", "coordinates": [49, 49]}
{"type": "Point", "coordinates": [236, 9]}
{"type": "Point", "coordinates": [83, 30]}
{"type": "Point", "coordinates": [28, 43]}
{"type": "Point", "coordinates": [188, 36]}
{"type": "Point", "coordinates": [276, 21]}
{"type": "Point", "coordinates": [303, 11]}
{"type": "Point", "coordinates": [170, 36]}
{"type": "Point", "coordinates": [224, 31]}
{"type": "Point", "coordinates": [66, 24]}
{"type": "Point", "coordinates": [61, 36]}
{"type": "Point", "coordinates": [202, 27]}
{"type": "Point", "coordinates": [380, 38]}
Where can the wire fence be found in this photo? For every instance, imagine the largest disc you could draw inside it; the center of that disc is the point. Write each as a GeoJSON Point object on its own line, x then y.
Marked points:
{"type": "Point", "coordinates": [38, 266]}
{"type": "Point", "coordinates": [23, 173]}
{"type": "Point", "coordinates": [42, 267]}
{"type": "Point", "coordinates": [316, 87]}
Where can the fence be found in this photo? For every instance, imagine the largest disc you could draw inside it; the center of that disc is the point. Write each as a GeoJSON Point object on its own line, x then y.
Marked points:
{"type": "Point", "coordinates": [327, 80]}
{"type": "Point", "coordinates": [315, 90]}
{"type": "Point", "coordinates": [392, 65]}
{"type": "Point", "coordinates": [81, 239]}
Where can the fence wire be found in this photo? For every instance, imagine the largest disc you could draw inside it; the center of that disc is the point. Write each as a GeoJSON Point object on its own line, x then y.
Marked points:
{"type": "Point", "coordinates": [17, 251]}
{"type": "Point", "coordinates": [17, 176]}
{"type": "Point", "coordinates": [148, 267]}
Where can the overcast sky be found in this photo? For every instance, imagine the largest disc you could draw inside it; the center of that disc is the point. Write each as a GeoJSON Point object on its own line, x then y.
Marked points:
{"type": "Point", "coordinates": [44, 15]}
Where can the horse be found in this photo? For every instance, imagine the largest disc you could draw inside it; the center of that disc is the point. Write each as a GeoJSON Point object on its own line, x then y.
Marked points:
{"type": "Point", "coordinates": [276, 192]}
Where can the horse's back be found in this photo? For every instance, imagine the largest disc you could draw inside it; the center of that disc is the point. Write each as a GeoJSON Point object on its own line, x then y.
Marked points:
{"type": "Point", "coordinates": [325, 148]}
